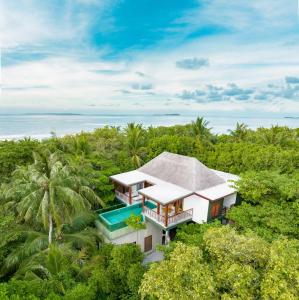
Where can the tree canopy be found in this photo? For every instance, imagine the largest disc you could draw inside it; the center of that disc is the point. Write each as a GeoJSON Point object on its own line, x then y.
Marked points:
{"type": "Point", "coordinates": [50, 191]}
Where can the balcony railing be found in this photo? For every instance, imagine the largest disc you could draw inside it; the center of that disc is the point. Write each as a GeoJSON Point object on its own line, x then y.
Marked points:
{"type": "Point", "coordinates": [125, 197]}
{"type": "Point", "coordinates": [152, 214]}
{"type": "Point", "coordinates": [122, 197]}
{"type": "Point", "coordinates": [171, 220]}
{"type": "Point", "coordinates": [181, 217]}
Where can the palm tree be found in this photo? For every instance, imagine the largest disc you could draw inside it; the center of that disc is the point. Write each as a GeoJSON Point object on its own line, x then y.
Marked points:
{"type": "Point", "coordinates": [275, 135]}
{"type": "Point", "coordinates": [50, 193]}
{"type": "Point", "coordinates": [200, 129]}
{"type": "Point", "coordinates": [28, 254]}
{"type": "Point", "coordinates": [240, 132]}
{"type": "Point", "coordinates": [80, 145]}
{"type": "Point", "coordinates": [134, 134]}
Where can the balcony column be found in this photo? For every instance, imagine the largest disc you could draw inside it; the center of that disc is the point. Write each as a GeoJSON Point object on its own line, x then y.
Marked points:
{"type": "Point", "coordinates": [167, 237]}
{"type": "Point", "coordinates": [158, 208]}
{"type": "Point", "coordinates": [143, 200]}
{"type": "Point", "coordinates": [130, 195]}
{"type": "Point", "coordinates": [166, 216]}
{"type": "Point", "coordinates": [176, 209]}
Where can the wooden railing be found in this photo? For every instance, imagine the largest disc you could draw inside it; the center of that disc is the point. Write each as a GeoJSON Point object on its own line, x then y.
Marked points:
{"type": "Point", "coordinates": [181, 217]}
{"type": "Point", "coordinates": [152, 214]}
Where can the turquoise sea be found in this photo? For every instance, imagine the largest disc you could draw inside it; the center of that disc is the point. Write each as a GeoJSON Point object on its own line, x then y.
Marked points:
{"type": "Point", "coordinates": [39, 126]}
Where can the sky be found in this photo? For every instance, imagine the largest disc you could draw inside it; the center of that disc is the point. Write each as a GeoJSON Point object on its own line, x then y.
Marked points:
{"type": "Point", "coordinates": [217, 56]}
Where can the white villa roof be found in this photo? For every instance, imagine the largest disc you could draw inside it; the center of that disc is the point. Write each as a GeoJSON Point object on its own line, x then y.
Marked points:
{"type": "Point", "coordinates": [186, 172]}
{"type": "Point", "coordinates": [217, 191]}
{"type": "Point", "coordinates": [165, 193]}
{"type": "Point", "coordinates": [176, 176]}
{"type": "Point", "coordinates": [226, 176]}
{"type": "Point", "coordinates": [129, 178]}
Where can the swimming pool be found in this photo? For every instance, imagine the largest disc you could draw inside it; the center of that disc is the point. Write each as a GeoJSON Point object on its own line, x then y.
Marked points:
{"type": "Point", "coordinates": [115, 219]}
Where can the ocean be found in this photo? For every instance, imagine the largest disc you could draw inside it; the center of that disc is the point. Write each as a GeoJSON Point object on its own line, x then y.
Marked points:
{"type": "Point", "coordinates": [39, 126]}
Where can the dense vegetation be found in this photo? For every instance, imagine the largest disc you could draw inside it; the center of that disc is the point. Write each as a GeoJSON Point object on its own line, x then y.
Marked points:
{"type": "Point", "coordinates": [50, 249]}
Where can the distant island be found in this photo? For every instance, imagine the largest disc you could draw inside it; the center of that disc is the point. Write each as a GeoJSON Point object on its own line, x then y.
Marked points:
{"type": "Point", "coordinates": [52, 114]}
{"type": "Point", "coordinates": [291, 117]}
{"type": "Point", "coordinates": [169, 114]}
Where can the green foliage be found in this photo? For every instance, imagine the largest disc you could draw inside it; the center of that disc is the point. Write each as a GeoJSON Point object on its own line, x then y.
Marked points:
{"type": "Point", "coordinates": [223, 264]}
{"type": "Point", "coordinates": [224, 244]}
{"type": "Point", "coordinates": [135, 222]}
{"type": "Point", "coordinates": [13, 154]}
{"type": "Point", "coordinates": [281, 275]}
{"type": "Point", "coordinates": [184, 276]}
{"type": "Point", "coordinates": [268, 220]}
{"type": "Point", "coordinates": [257, 187]}
{"type": "Point", "coordinates": [135, 141]}
{"type": "Point", "coordinates": [192, 234]}
{"type": "Point", "coordinates": [49, 192]}
{"type": "Point", "coordinates": [119, 274]}
{"type": "Point", "coordinates": [254, 258]}
{"type": "Point", "coordinates": [240, 132]}
{"type": "Point", "coordinates": [269, 207]}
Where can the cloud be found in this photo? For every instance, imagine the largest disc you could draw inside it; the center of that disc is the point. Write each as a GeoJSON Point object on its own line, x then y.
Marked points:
{"type": "Point", "coordinates": [234, 90]}
{"type": "Point", "coordinates": [124, 91]}
{"type": "Point", "coordinates": [140, 74]}
{"type": "Point", "coordinates": [25, 88]}
{"type": "Point", "coordinates": [212, 93]}
{"type": "Point", "coordinates": [187, 95]}
{"type": "Point", "coordinates": [242, 97]}
{"type": "Point", "coordinates": [109, 72]}
{"type": "Point", "coordinates": [142, 86]}
{"type": "Point", "coordinates": [261, 96]}
{"type": "Point", "coordinates": [66, 45]}
{"type": "Point", "coordinates": [292, 79]}
{"type": "Point", "coordinates": [234, 93]}
{"type": "Point", "coordinates": [192, 63]}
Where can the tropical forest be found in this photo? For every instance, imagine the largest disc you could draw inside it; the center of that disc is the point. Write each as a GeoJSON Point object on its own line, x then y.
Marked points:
{"type": "Point", "coordinates": [51, 191]}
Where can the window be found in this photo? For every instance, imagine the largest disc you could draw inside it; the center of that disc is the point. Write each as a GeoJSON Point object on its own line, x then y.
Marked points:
{"type": "Point", "coordinates": [139, 186]}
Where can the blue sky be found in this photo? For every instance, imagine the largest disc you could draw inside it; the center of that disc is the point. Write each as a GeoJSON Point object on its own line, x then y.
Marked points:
{"type": "Point", "coordinates": [147, 55]}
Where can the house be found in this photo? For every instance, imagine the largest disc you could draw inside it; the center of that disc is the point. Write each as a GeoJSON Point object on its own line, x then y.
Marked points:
{"type": "Point", "coordinates": [169, 190]}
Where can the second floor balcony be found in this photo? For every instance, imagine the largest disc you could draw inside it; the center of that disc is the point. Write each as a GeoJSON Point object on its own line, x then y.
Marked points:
{"type": "Point", "coordinates": [170, 219]}
{"type": "Point", "coordinates": [168, 210]}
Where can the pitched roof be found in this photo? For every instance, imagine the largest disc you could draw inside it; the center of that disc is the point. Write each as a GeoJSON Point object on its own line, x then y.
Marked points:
{"type": "Point", "coordinates": [186, 172]}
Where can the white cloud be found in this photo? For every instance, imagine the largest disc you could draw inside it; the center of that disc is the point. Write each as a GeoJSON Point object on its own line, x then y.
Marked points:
{"type": "Point", "coordinates": [75, 80]}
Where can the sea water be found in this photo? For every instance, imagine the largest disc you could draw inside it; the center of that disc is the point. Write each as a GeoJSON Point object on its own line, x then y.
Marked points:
{"type": "Point", "coordinates": [39, 126]}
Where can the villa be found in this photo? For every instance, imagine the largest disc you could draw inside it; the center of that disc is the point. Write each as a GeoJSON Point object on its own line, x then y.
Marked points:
{"type": "Point", "coordinates": [169, 190]}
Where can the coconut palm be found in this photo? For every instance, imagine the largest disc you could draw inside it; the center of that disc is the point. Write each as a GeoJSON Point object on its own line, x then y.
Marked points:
{"type": "Point", "coordinates": [48, 192]}
{"type": "Point", "coordinates": [48, 265]}
{"type": "Point", "coordinates": [240, 132]}
{"type": "Point", "coordinates": [134, 134]}
{"type": "Point", "coordinates": [29, 251]}
{"type": "Point", "coordinates": [200, 129]}
{"type": "Point", "coordinates": [274, 136]}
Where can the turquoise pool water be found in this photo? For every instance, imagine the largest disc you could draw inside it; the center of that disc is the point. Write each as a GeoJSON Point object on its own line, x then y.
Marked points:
{"type": "Point", "coordinates": [115, 219]}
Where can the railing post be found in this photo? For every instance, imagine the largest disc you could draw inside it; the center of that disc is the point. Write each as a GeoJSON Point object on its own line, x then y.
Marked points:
{"type": "Point", "coordinates": [166, 216]}
{"type": "Point", "coordinates": [130, 195]}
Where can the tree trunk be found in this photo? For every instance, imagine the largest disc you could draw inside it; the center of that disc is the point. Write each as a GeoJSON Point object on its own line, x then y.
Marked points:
{"type": "Point", "coordinates": [50, 229]}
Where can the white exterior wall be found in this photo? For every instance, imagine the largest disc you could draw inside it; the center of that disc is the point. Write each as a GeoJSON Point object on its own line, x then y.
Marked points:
{"type": "Point", "coordinates": [134, 189]}
{"type": "Point", "coordinates": [131, 237]}
{"type": "Point", "coordinates": [230, 200]}
{"type": "Point", "coordinates": [200, 208]}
